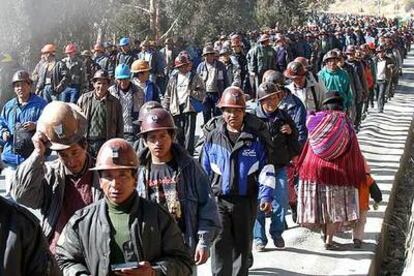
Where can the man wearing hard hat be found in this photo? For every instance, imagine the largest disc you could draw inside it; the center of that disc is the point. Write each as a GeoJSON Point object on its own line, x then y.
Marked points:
{"type": "Point", "coordinates": [60, 187]}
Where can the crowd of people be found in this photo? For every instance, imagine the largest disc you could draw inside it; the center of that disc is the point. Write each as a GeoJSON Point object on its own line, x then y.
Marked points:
{"type": "Point", "coordinates": [102, 143]}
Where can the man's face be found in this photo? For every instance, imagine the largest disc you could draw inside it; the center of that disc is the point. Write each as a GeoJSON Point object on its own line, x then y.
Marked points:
{"type": "Point", "coordinates": [300, 82]}
{"type": "Point", "coordinates": [331, 64]}
{"type": "Point", "coordinates": [159, 143]}
{"type": "Point", "coordinates": [22, 90]}
{"type": "Point", "coordinates": [71, 56]}
{"type": "Point", "coordinates": [101, 88]}
{"type": "Point", "coordinates": [234, 117]}
{"type": "Point", "coordinates": [125, 48]}
{"type": "Point", "coordinates": [143, 76]}
{"type": "Point", "coordinates": [350, 56]}
{"type": "Point", "coordinates": [210, 58]}
{"type": "Point", "coordinates": [50, 57]}
{"type": "Point", "coordinates": [184, 69]}
{"type": "Point", "coordinates": [118, 185]}
{"type": "Point", "coordinates": [381, 54]}
{"type": "Point", "coordinates": [271, 103]}
{"type": "Point", "coordinates": [73, 158]}
{"type": "Point", "coordinates": [224, 59]}
{"type": "Point", "coordinates": [236, 49]}
{"type": "Point", "coordinates": [124, 84]}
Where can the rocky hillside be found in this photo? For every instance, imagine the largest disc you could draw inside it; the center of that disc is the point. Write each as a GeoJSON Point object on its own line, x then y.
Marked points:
{"type": "Point", "coordinates": [388, 8]}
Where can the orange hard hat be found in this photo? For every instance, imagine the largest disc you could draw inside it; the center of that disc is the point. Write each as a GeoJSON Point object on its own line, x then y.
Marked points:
{"type": "Point", "coordinates": [140, 65]}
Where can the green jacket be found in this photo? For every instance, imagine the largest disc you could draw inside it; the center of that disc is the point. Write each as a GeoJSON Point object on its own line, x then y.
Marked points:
{"type": "Point", "coordinates": [337, 80]}
{"type": "Point", "coordinates": [260, 59]}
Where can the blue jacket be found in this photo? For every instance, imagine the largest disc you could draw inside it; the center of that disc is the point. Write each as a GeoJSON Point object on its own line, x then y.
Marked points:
{"type": "Point", "coordinates": [240, 170]}
{"type": "Point", "coordinates": [152, 92]}
{"type": "Point", "coordinates": [30, 112]}
{"type": "Point", "coordinates": [202, 223]}
{"type": "Point", "coordinates": [297, 111]}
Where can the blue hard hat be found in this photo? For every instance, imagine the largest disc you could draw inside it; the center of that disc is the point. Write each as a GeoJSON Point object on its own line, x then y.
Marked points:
{"type": "Point", "coordinates": [122, 72]}
{"type": "Point", "coordinates": [124, 41]}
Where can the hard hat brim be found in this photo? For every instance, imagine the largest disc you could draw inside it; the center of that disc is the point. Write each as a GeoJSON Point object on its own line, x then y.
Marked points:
{"type": "Point", "coordinates": [58, 147]}
{"type": "Point", "coordinates": [113, 167]}
{"type": "Point", "coordinates": [155, 129]}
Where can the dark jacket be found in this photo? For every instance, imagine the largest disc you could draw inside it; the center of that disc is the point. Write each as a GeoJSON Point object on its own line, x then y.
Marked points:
{"type": "Point", "coordinates": [60, 77]}
{"type": "Point", "coordinates": [239, 170]}
{"type": "Point", "coordinates": [114, 122]}
{"type": "Point", "coordinates": [260, 59]}
{"type": "Point", "coordinates": [41, 185]}
{"type": "Point", "coordinates": [23, 247]}
{"type": "Point", "coordinates": [202, 223]}
{"type": "Point", "coordinates": [126, 58]}
{"type": "Point", "coordinates": [222, 80]}
{"type": "Point", "coordinates": [297, 111]}
{"type": "Point", "coordinates": [251, 121]}
{"type": "Point", "coordinates": [285, 146]}
{"type": "Point", "coordinates": [138, 99]}
{"type": "Point", "coordinates": [195, 90]}
{"type": "Point", "coordinates": [106, 63]}
{"type": "Point", "coordinates": [84, 246]}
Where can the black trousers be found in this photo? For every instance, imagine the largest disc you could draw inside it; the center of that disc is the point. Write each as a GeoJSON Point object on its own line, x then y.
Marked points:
{"type": "Point", "coordinates": [230, 251]}
{"type": "Point", "coordinates": [209, 106]}
{"type": "Point", "coordinates": [186, 122]}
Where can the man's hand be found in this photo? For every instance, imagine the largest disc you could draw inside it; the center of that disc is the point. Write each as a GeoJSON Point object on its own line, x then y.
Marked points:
{"type": "Point", "coordinates": [285, 129]}
{"type": "Point", "coordinates": [5, 136]}
{"type": "Point", "coordinates": [39, 142]}
{"type": "Point", "coordinates": [145, 269]}
{"type": "Point", "coordinates": [29, 126]}
{"type": "Point", "coordinates": [266, 207]}
{"type": "Point", "coordinates": [201, 255]}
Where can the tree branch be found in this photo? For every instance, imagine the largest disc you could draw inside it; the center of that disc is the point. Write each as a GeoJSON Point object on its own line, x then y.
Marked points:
{"type": "Point", "coordinates": [136, 7]}
{"type": "Point", "coordinates": [171, 27]}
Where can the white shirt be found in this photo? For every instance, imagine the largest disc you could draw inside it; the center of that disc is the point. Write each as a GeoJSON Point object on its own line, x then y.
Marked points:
{"type": "Point", "coordinates": [381, 69]}
{"type": "Point", "coordinates": [182, 87]}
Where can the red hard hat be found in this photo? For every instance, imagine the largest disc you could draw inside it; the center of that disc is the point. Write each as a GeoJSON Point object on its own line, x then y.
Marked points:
{"type": "Point", "coordinates": [157, 119]}
{"type": "Point", "coordinates": [116, 154]}
{"type": "Point", "coordinates": [71, 48]}
{"type": "Point", "coordinates": [371, 45]}
{"type": "Point", "coordinates": [181, 60]}
{"type": "Point", "coordinates": [304, 61]}
{"type": "Point", "coordinates": [232, 97]}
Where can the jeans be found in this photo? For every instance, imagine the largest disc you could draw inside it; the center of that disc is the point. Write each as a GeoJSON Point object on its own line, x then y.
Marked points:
{"type": "Point", "coordinates": [209, 106]}
{"type": "Point", "coordinates": [47, 94]}
{"type": "Point", "coordinates": [381, 91]}
{"type": "Point", "coordinates": [70, 94]}
{"type": "Point", "coordinates": [279, 210]}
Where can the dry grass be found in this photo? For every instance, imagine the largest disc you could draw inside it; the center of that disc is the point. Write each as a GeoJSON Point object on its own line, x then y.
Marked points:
{"type": "Point", "coordinates": [389, 8]}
